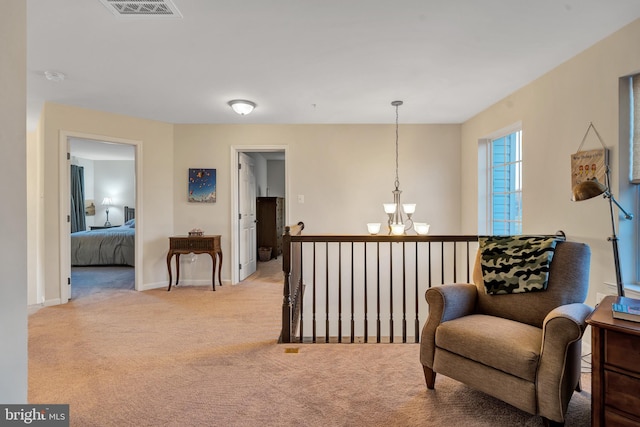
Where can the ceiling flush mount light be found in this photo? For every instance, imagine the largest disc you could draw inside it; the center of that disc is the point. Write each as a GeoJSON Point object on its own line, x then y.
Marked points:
{"type": "Point", "coordinates": [242, 106]}
{"type": "Point", "coordinates": [54, 76]}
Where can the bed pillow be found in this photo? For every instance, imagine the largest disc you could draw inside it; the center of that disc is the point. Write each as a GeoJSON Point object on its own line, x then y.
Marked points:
{"type": "Point", "coordinates": [131, 223]}
{"type": "Point", "coordinates": [516, 264]}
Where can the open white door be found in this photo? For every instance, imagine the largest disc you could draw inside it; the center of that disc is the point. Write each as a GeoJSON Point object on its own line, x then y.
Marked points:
{"type": "Point", "coordinates": [65, 202]}
{"type": "Point", "coordinates": [247, 215]}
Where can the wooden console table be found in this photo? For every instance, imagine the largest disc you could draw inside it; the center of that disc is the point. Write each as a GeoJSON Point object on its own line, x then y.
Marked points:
{"type": "Point", "coordinates": [615, 345]}
{"type": "Point", "coordinates": [197, 245]}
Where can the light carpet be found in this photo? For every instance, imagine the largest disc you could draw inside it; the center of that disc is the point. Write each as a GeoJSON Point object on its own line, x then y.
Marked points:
{"type": "Point", "coordinates": [194, 357]}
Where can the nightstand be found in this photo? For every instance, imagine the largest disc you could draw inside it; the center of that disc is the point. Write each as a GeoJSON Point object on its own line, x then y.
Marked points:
{"type": "Point", "coordinates": [615, 384]}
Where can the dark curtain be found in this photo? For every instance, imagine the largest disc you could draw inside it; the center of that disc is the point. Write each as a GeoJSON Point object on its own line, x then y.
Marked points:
{"type": "Point", "coordinates": [78, 222]}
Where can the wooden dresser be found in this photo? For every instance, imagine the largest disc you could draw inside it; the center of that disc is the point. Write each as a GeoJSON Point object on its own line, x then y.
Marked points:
{"type": "Point", "coordinates": [198, 245]}
{"type": "Point", "coordinates": [270, 227]}
{"type": "Point", "coordinates": [615, 388]}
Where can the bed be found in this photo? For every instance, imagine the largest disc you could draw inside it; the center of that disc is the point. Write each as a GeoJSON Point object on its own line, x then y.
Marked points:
{"type": "Point", "coordinates": [108, 246]}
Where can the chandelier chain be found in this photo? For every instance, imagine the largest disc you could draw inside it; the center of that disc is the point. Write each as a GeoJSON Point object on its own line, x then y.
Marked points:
{"type": "Point", "coordinates": [397, 182]}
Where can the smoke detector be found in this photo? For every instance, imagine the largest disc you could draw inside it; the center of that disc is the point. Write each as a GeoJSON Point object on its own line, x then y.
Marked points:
{"type": "Point", "coordinates": [142, 8]}
{"type": "Point", "coordinates": [54, 76]}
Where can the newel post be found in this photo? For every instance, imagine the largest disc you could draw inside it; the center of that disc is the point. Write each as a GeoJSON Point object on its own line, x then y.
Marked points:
{"type": "Point", "coordinates": [287, 306]}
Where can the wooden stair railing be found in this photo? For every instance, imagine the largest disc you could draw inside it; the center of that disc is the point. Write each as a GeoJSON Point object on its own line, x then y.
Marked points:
{"type": "Point", "coordinates": [292, 269]}
{"type": "Point", "coordinates": [357, 272]}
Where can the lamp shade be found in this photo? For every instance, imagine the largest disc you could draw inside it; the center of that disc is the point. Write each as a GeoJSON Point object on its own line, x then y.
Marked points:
{"type": "Point", "coordinates": [409, 208]}
{"type": "Point", "coordinates": [389, 208]}
{"type": "Point", "coordinates": [587, 190]}
{"type": "Point", "coordinates": [397, 229]}
{"type": "Point", "coordinates": [107, 201]}
{"type": "Point", "coordinates": [373, 227]}
{"type": "Point", "coordinates": [242, 106]}
{"type": "Point", "coordinates": [422, 228]}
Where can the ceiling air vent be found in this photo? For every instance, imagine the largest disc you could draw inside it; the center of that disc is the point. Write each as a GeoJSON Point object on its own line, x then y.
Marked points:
{"type": "Point", "coordinates": [142, 8]}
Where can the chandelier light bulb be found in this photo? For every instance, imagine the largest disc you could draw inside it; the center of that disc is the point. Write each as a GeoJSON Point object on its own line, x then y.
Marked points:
{"type": "Point", "coordinates": [373, 227]}
{"type": "Point", "coordinates": [409, 208]}
{"type": "Point", "coordinates": [397, 229]}
{"type": "Point", "coordinates": [389, 208]}
{"type": "Point", "coordinates": [421, 228]}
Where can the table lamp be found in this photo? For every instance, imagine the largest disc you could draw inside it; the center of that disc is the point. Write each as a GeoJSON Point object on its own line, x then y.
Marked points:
{"type": "Point", "coordinates": [107, 202]}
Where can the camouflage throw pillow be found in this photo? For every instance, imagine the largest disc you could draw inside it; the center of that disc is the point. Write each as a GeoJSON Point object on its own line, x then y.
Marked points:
{"type": "Point", "coordinates": [516, 264]}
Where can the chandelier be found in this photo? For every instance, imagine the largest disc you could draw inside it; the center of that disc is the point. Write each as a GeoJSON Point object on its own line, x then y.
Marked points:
{"type": "Point", "coordinates": [396, 210]}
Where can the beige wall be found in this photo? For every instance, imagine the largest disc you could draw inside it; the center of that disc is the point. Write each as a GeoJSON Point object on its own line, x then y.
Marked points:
{"type": "Point", "coordinates": [555, 111]}
{"type": "Point", "coordinates": [345, 173]}
{"type": "Point", "coordinates": [155, 218]}
{"type": "Point", "coordinates": [13, 209]}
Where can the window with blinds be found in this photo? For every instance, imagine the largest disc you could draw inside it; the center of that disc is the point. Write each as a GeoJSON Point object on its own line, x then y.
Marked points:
{"type": "Point", "coordinates": [634, 105]}
{"type": "Point", "coordinates": [505, 193]}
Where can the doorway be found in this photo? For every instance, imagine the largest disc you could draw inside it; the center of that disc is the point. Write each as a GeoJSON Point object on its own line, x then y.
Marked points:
{"type": "Point", "coordinates": [111, 190]}
{"type": "Point", "coordinates": [270, 172]}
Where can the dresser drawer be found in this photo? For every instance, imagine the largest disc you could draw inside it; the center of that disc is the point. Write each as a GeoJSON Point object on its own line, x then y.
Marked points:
{"type": "Point", "coordinates": [622, 350]}
{"type": "Point", "coordinates": [195, 244]}
{"type": "Point", "coordinates": [612, 418]}
{"type": "Point", "coordinates": [622, 392]}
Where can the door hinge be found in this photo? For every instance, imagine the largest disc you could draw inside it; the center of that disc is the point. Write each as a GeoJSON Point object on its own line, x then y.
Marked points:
{"type": "Point", "coordinates": [68, 218]}
{"type": "Point", "coordinates": [239, 166]}
{"type": "Point", "coordinates": [240, 266]}
{"type": "Point", "coordinates": [69, 281]}
{"type": "Point", "coordinates": [68, 156]}
{"type": "Point", "coordinates": [239, 216]}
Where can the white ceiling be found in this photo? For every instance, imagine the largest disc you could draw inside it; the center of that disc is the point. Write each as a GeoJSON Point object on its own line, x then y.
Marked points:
{"type": "Point", "coordinates": [307, 61]}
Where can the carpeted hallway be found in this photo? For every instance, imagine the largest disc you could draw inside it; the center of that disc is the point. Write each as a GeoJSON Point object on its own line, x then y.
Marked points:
{"type": "Point", "coordinates": [193, 357]}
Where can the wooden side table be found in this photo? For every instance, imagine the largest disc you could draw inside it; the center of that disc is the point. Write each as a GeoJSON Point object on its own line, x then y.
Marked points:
{"type": "Point", "coordinates": [615, 384]}
{"type": "Point", "coordinates": [198, 245]}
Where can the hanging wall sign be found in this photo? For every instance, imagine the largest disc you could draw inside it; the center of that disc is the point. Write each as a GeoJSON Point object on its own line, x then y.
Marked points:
{"type": "Point", "coordinates": [588, 165]}
{"type": "Point", "coordinates": [591, 164]}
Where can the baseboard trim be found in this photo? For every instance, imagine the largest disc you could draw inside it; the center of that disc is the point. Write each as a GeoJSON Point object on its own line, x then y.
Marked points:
{"type": "Point", "coordinates": [50, 302]}
{"type": "Point", "coordinates": [149, 286]}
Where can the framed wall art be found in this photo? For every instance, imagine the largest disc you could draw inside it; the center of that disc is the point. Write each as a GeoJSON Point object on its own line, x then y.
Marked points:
{"type": "Point", "coordinates": [202, 185]}
{"type": "Point", "coordinates": [89, 208]}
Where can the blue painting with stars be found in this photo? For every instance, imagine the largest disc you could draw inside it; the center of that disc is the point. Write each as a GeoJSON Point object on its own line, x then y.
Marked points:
{"type": "Point", "coordinates": [202, 185]}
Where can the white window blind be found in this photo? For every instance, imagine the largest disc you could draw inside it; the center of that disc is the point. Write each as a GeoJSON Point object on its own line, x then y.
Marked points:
{"type": "Point", "coordinates": [635, 129]}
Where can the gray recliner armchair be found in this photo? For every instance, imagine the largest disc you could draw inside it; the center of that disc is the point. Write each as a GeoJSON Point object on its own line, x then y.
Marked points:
{"type": "Point", "coordinates": [522, 348]}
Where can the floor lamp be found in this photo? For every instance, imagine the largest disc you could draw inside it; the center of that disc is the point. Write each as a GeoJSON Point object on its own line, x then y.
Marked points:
{"type": "Point", "coordinates": [592, 188]}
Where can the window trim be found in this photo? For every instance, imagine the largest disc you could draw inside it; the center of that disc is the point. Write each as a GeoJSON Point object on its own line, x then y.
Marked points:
{"type": "Point", "coordinates": [485, 183]}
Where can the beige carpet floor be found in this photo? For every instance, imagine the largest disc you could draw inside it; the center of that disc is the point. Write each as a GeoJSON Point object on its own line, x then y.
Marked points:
{"type": "Point", "coordinates": [193, 357]}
